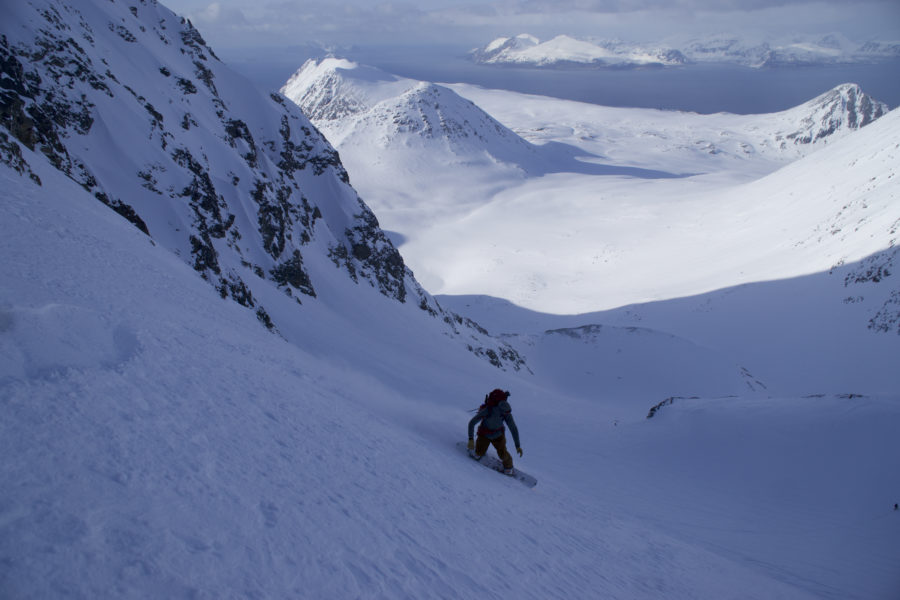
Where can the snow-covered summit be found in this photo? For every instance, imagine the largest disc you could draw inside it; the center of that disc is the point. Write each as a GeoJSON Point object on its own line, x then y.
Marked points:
{"type": "Point", "coordinates": [329, 89]}
{"type": "Point", "coordinates": [819, 121]}
{"type": "Point", "coordinates": [348, 101]}
{"type": "Point", "coordinates": [838, 111]}
{"type": "Point", "coordinates": [130, 102]}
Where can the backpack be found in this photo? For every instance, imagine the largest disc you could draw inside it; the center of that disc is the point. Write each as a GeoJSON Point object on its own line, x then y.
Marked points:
{"type": "Point", "coordinates": [494, 416]}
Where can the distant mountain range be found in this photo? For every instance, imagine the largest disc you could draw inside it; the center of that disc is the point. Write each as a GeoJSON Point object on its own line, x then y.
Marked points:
{"type": "Point", "coordinates": [566, 51]}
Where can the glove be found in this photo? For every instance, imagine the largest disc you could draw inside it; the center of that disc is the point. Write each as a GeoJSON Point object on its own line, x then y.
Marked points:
{"type": "Point", "coordinates": [471, 444]}
{"type": "Point", "coordinates": [519, 450]}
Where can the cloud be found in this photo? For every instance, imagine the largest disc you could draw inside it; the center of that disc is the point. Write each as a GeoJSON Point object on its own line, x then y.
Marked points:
{"type": "Point", "coordinates": [625, 6]}
{"type": "Point", "coordinates": [218, 15]}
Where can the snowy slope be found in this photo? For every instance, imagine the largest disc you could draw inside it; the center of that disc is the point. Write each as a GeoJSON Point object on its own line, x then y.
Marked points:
{"type": "Point", "coordinates": [792, 277]}
{"type": "Point", "coordinates": [165, 444]}
{"type": "Point", "coordinates": [129, 102]}
{"type": "Point", "coordinates": [564, 248]}
{"type": "Point", "coordinates": [157, 441]}
{"type": "Point", "coordinates": [682, 141]}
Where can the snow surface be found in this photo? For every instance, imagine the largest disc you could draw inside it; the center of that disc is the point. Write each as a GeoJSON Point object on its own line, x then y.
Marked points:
{"type": "Point", "coordinates": [158, 441]}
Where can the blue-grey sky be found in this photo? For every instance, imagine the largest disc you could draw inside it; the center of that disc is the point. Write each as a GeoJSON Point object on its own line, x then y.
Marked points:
{"type": "Point", "coordinates": [253, 23]}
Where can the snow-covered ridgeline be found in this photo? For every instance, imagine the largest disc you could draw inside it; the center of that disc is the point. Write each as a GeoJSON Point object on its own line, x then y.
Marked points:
{"type": "Point", "coordinates": [360, 108]}
{"type": "Point", "coordinates": [354, 105]}
{"type": "Point", "coordinates": [129, 101]}
{"type": "Point", "coordinates": [682, 142]}
{"type": "Point", "coordinates": [563, 50]}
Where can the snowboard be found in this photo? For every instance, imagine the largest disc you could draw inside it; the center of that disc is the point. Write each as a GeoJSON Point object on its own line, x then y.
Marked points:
{"type": "Point", "coordinates": [492, 462]}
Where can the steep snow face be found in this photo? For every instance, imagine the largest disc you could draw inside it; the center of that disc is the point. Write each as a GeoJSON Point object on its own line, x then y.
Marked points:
{"type": "Point", "coordinates": [565, 51]}
{"type": "Point", "coordinates": [130, 102]}
{"type": "Point", "coordinates": [240, 185]}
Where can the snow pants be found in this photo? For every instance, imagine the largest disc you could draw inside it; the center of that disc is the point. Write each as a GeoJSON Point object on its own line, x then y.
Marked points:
{"type": "Point", "coordinates": [482, 444]}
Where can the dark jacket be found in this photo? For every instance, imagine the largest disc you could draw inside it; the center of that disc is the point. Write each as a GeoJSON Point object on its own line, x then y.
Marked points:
{"type": "Point", "coordinates": [492, 419]}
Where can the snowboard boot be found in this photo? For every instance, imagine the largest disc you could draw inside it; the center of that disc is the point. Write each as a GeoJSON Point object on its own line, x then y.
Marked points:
{"type": "Point", "coordinates": [510, 471]}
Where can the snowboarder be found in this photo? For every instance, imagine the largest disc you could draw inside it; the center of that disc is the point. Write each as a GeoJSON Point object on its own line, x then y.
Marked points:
{"type": "Point", "coordinates": [492, 414]}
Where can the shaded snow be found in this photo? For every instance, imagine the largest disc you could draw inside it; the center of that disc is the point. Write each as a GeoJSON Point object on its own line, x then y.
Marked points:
{"type": "Point", "coordinates": [158, 441]}
{"type": "Point", "coordinates": [215, 459]}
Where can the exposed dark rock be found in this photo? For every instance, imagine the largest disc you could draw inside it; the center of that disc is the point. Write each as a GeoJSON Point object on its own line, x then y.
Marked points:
{"type": "Point", "coordinates": [11, 155]}
{"type": "Point", "coordinates": [124, 210]}
{"type": "Point", "coordinates": [292, 273]}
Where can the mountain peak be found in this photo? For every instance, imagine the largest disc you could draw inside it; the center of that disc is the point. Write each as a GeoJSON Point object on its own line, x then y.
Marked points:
{"type": "Point", "coordinates": [330, 89]}
{"type": "Point", "coordinates": [843, 108]}
{"type": "Point", "coordinates": [367, 104]}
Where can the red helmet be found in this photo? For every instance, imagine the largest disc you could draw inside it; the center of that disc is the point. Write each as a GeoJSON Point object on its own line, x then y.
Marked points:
{"type": "Point", "coordinates": [496, 397]}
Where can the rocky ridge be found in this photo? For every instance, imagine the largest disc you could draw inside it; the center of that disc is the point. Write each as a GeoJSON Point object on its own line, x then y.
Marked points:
{"type": "Point", "coordinates": [128, 100]}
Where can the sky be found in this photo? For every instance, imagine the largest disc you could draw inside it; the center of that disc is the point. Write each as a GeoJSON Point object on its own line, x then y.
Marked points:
{"type": "Point", "coordinates": [470, 23]}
